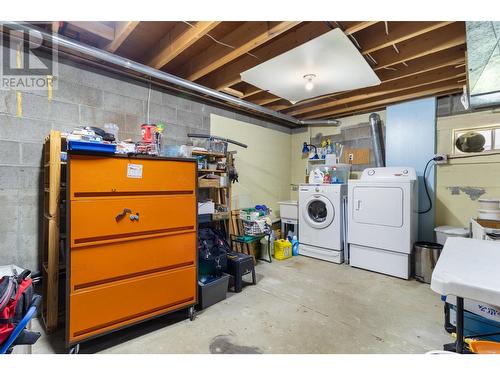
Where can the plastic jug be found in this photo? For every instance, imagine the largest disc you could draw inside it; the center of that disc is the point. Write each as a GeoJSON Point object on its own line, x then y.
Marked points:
{"type": "Point", "coordinates": [295, 246]}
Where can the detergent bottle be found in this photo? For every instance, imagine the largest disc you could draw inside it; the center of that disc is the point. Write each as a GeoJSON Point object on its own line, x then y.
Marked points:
{"type": "Point", "coordinates": [295, 246]}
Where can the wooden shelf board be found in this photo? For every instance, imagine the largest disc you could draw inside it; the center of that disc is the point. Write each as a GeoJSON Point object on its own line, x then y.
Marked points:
{"type": "Point", "coordinates": [208, 153]}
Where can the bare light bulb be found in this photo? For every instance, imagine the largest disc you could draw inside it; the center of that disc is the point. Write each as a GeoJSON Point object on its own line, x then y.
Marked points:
{"type": "Point", "coordinates": [309, 83]}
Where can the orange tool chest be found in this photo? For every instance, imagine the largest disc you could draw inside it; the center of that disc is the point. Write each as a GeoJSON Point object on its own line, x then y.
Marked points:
{"type": "Point", "coordinates": [131, 253]}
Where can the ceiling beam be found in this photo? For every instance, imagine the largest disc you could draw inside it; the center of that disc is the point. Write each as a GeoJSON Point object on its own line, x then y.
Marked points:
{"type": "Point", "coordinates": [278, 106]}
{"type": "Point", "coordinates": [220, 55]}
{"type": "Point", "coordinates": [447, 37]}
{"type": "Point", "coordinates": [398, 32]}
{"type": "Point", "coordinates": [263, 98]}
{"type": "Point", "coordinates": [233, 92]}
{"type": "Point", "coordinates": [122, 32]}
{"type": "Point", "coordinates": [430, 90]}
{"type": "Point", "coordinates": [251, 91]}
{"type": "Point", "coordinates": [230, 74]}
{"type": "Point", "coordinates": [181, 37]}
{"type": "Point", "coordinates": [385, 89]}
{"type": "Point", "coordinates": [97, 28]}
{"type": "Point", "coordinates": [358, 27]}
{"type": "Point", "coordinates": [448, 57]}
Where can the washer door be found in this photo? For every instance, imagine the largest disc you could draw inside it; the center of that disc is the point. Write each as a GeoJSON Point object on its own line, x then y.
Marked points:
{"type": "Point", "coordinates": [318, 211]}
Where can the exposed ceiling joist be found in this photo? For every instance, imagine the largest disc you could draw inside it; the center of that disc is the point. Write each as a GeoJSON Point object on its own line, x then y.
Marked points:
{"type": "Point", "coordinates": [268, 100]}
{"type": "Point", "coordinates": [251, 91]}
{"type": "Point", "coordinates": [220, 55]}
{"type": "Point", "coordinates": [233, 92]}
{"type": "Point", "coordinates": [230, 74]}
{"type": "Point", "coordinates": [358, 27]}
{"type": "Point", "coordinates": [450, 36]}
{"type": "Point", "coordinates": [385, 89]}
{"type": "Point", "coordinates": [122, 32]}
{"type": "Point", "coordinates": [180, 38]}
{"type": "Point", "coordinates": [97, 28]}
{"type": "Point", "coordinates": [412, 94]}
{"type": "Point", "coordinates": [398, 32]}
{"type": "Point", "coordinates": [278, 106]}
{"type": "Point", "coordinates": [449, 57]}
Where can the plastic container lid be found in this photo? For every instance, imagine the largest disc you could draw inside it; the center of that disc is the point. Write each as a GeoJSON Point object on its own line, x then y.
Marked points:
{"type": "Point", "coordinates": [454, 231]}
{"type": "Point", "coordinates": [490, 211]}
{"type": "Point", "coordinates": [489, 200]}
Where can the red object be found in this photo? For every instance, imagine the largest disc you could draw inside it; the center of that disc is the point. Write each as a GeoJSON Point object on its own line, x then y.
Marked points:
{"type": "Point", "coordinates": [10, 312]}
{"type": "Point", "coordinates": [148, 132]}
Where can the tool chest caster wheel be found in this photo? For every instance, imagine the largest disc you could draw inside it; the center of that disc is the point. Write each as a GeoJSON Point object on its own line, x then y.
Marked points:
{"type": "Point", "coordinates": [74, 349]}
{"type": "Point", "coordinates": [192, 313]}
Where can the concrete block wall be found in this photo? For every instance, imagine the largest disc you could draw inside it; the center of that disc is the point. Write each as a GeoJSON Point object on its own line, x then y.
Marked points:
{"type": "Point", "coordinates": [84, 96]}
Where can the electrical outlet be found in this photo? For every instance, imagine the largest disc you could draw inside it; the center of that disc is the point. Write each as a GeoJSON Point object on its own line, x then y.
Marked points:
{"type": "Point", "coordinates": [441, 158]}
{"type": "Point", "coordinates": [351, 157]}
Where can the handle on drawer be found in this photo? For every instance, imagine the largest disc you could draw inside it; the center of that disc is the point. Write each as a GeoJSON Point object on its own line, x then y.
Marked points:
{"type": "Point", "coordinates": [123, 213]}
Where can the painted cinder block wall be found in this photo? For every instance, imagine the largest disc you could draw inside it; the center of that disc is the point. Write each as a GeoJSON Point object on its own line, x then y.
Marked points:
{"type": "Point", "coordinates": [461, 182]}
{"type": "Point", "coordinates": [84, 96]}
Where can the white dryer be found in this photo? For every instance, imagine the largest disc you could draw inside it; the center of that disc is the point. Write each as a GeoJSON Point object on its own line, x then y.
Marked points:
{"type": "Point", "coordinates": [321, 221]}
{"type": "Point", "coordinates": [382, 220]}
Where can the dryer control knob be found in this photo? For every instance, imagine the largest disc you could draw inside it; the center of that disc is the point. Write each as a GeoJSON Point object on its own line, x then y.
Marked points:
{"type": "Point", "coordinates": [371, 172]}
{"type": "Point", "coordinates": [405, 171]}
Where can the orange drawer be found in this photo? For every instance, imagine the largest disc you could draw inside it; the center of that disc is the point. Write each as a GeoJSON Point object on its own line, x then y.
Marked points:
{"type": "Point", "coordinates": [94, 265]}
{"type": "Point", "coordinates": [101, 309]}
{"type": "Point", "coordinates": [95, 220]}
{"type": "Point", "coordinates": [93, 176]}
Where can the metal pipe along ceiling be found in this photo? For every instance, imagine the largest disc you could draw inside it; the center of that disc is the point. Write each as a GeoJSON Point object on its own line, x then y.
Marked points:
{"type": "Point", "coordinates": [96, 53]}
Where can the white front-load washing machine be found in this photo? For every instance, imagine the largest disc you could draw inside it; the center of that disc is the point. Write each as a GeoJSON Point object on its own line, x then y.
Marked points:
{"type": "Point", "coordinates": [321, 221]}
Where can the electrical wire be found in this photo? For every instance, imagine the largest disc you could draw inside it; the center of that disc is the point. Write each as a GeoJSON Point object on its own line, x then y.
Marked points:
{"type": "Point", "coordinates": [219, 42]}
{"type": "Point", "coordinates": [426, 187]}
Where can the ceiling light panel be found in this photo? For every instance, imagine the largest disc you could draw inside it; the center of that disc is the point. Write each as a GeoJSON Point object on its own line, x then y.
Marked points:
{"type": "Point", "coordinates": [332, 61]}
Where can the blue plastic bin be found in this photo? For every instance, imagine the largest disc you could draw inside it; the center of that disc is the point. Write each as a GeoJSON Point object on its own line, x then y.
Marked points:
{"type": "Point", "coordinates": [108, 148]}
{"type": "Point", "coordinates": [475, 325]}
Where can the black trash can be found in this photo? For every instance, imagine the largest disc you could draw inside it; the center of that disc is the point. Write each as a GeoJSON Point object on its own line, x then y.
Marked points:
{"type": "Point", "coordinates": [425, 257]}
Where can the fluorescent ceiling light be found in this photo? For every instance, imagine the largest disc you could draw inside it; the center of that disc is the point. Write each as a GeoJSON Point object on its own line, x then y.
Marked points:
{"type": "Point", "coordinates": [327, 64]}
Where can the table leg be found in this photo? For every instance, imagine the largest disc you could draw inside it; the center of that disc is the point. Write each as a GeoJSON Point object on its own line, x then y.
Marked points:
{"type": "Point", "coordinates": [460, 325]}
{"type": "Point", "coordinates": [269, 248]}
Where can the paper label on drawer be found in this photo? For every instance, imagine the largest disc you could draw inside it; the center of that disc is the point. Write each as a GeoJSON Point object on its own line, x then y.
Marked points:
{"type": "Point", "coordinates": [134, 170]}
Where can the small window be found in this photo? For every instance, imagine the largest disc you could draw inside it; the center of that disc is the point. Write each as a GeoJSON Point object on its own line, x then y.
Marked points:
{"type": "Point", "coordinates": [476, 140]}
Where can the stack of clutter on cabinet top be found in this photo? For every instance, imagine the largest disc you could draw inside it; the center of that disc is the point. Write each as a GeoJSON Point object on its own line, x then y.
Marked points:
{"type": "Point", "coordinates": [95, 139]}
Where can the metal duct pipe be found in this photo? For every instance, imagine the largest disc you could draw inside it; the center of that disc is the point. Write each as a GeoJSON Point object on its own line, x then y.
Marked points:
{"type": "Point", "coordinates": [96, 53]}
{"type": "Point", "coordinates": [378, 140]}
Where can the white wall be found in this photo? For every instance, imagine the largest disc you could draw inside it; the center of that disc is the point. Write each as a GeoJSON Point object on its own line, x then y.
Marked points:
{"type": "Point", "coordinates": [263, 168]}
{"type": "Point", "coordinates": [453, 180]}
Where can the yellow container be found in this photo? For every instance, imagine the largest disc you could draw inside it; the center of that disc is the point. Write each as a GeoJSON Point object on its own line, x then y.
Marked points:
{"type": "Point", "coordinates": [282, 249]}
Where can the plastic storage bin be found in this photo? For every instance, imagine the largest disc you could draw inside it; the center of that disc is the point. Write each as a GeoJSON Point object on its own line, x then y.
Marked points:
{"type": "Point", "coordinates": [212, 292]}
{"type": "Point", "coordinates": [282, 249]}
{"type": "Point", "coordinates": [445, 231]}
{"type": "Point", "coordinates": [107, 148]}
{"type": "Point", "coordinates": [475, 325]}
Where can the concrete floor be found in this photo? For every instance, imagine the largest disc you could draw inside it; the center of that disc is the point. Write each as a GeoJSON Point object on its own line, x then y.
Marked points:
{"type": "Point", "coordinates": [300, 305]}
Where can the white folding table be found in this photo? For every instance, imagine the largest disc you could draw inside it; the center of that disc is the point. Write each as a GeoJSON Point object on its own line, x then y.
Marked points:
{"type": "Point", "coordinates": [468, 268]}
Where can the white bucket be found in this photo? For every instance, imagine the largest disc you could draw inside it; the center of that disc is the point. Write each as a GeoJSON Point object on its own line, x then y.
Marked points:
{"type": "Point", "coordinates": [489, 203]}
{"type": "Point", "coordinates": [445, 231]}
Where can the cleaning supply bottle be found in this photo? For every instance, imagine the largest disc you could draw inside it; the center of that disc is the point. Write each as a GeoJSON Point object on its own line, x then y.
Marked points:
{"type": "Point", "coordinates": [295, 246]}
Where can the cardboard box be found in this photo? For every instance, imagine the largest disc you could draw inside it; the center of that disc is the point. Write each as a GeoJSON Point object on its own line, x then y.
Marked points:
{"type": "Point", "coordinates": [209, 182]}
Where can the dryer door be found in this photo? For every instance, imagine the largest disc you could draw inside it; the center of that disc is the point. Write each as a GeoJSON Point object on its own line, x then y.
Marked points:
{"type": "Point", "coordinates": [378, 205]}
{"type": "Point", "coordinates": [318, 211]}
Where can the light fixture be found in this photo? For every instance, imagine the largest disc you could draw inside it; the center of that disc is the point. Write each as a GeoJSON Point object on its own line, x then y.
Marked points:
{"type": "Point", "coordinates": [306, 150]}
{"type": "Point", "coordinates": [309, 84]}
